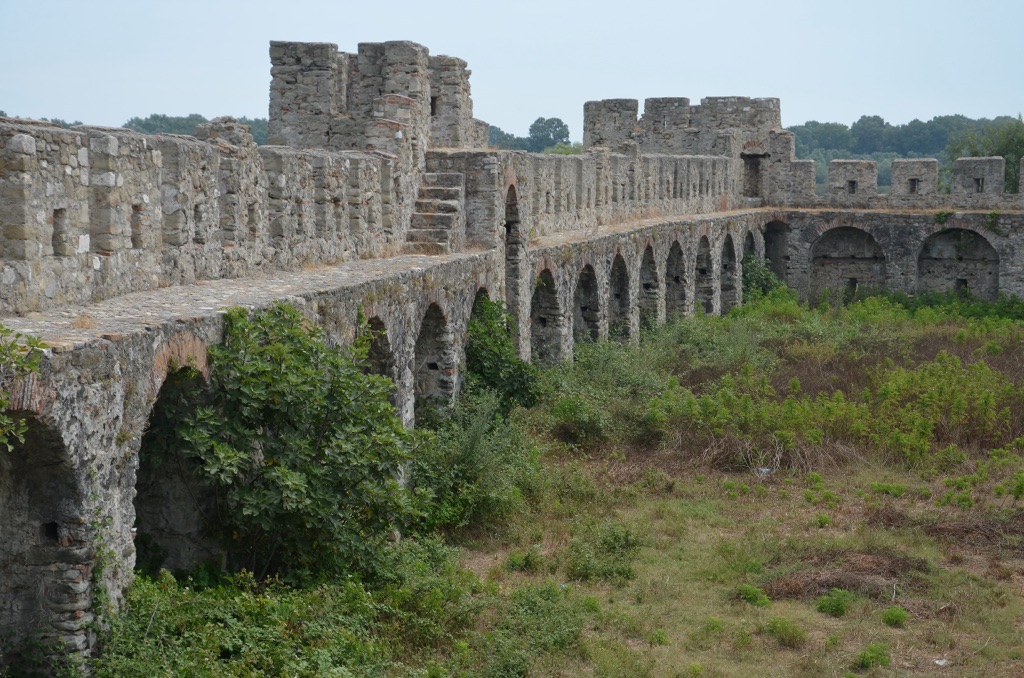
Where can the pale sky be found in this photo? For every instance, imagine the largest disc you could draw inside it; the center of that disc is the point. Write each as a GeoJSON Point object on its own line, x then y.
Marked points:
{"type": "Point", "coordinates": [105, 61]}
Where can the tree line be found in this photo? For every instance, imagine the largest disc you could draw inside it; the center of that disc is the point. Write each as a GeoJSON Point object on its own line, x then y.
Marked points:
{"type": "Point", "coordinates": [944, 137]}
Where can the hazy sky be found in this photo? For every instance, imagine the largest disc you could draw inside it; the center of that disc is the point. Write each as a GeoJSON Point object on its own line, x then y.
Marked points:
{"type": "Point", "coordinates": [103, 62]}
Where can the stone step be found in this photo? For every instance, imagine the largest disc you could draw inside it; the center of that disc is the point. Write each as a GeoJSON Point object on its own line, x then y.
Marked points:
{"type": "Point", "coordinates": [440, 192]}
{"type": "Point", "coordinates": [432, 220]}
{"type": "Point", "coordinates": [426, 248]}
{"type": "Point", "coordinates": [437, 206]}
{"type": "Point", "coordinates": [428, 235]}
{"type": "Point", "coordinates": [449, 179]}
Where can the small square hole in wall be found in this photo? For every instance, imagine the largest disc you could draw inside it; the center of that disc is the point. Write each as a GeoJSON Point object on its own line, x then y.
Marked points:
{"type": "Point", "coordinates": [979, 185]}
{"type": "Point", "coordinates": [915, 186]}
{"type": "Point", "coordinates": [49, 532]}
{"type": "Point", "coordinates": [851, 187]}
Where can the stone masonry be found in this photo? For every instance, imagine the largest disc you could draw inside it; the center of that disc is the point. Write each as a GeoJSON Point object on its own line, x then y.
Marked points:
{"type": "Point", "coordinates": [378, 196]}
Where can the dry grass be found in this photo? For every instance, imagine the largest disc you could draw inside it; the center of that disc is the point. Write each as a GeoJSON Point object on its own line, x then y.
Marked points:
{"type": "Point", "coordinates": [83, 321]}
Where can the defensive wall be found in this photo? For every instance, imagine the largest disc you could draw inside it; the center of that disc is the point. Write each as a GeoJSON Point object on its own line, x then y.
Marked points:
{"type": "Point", "coordinates": [378, 196]}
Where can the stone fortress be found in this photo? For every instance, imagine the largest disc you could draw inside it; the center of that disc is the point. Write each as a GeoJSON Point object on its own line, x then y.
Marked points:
{"type": "Point", "coordinates": [377, 195]}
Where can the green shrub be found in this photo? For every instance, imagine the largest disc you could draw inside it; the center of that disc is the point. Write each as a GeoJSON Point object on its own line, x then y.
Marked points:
{"type": "Point", "coordinates": [758, 278]}
{"type": "Point", "coordinates": [19, 357]}
{"type": "Point", "coordinates": [895, 616]}
{"type": "Point", "coordinates": [890, 489]}
{"type": "Point", "coordinates": [525, 560]}
{"type": "Point", "coordinates": [491, 359]}
{"type": "Point", "coordinates": [875, 654]}
{"type": "Point", "coordinates": [753, 595]}
{"type": "Point", "coordinates": [836, 602]}
{"type": "Point", "coordinates": [300, 447]}
{"type": "Point", "coordinates": [785, 632]}
{"type": "Point", "coordinates": [602, 552]}
{"type": "Point", "coordinates": [477, 469]}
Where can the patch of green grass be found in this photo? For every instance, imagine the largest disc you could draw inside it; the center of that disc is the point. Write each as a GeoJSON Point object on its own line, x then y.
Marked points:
{"type": "Point", "coordinates": [753, 595]}
{"type": "Point", "coordinates": [836, 602]}
{"type": "Point", "coordinates": [875, 654]}
{"type": "Point", "coordinates": [895, 616]}
{"type": "Point", "coordinates": [786, 632]}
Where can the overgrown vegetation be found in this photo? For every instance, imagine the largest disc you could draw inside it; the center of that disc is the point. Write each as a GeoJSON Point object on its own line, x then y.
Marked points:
{"type": "Point", "coordinates": [782, 491]}
{"type": "Point", "coordinates": [19, 357]}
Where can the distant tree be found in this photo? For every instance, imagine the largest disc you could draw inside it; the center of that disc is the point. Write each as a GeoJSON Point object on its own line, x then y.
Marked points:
{"type": "Point", "coordinates": [547, 132]}
{"type": "Point", "coordinates": [3, 114]}
{"type": "Point", "coordinates": [565, 149]}
{"type": "Point", "coordinates": [1001, 137]}
{"type": "Point", "coordinates": [499, 138]}
{"type": "Point", "coordinates": [166, 124]}
{"type": "Point", "coordinates": [257, 127]}
{"type": "Point", "coordinates": [869, 134]}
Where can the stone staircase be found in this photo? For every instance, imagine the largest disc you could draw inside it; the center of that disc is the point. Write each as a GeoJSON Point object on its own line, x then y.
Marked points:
{"type": "Point", "coordinates": [438, 224]}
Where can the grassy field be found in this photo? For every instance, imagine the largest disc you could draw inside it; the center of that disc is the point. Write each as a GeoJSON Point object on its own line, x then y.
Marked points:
{"type": "Point", "coordinates": [781, 492]}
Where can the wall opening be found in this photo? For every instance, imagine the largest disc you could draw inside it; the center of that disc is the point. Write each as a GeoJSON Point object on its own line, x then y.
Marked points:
{"type": "Point", "coordinates": [618, 301]}
{"type": "Point", "coordinates": [545, 321]}
{"type": "Point", "coordinates": [704, 279]}
{"type": "Point", "coordinates": [434, 370]}
{"type": "Point", "coordinates": [586, 322]}
{"type": "Point", "coordinates": [45, 562]}
{"type": "Point", "coordinates": [515, 250]}
{"type": "Point", "coordinates": [649, 298]}
{"type": "Point", "coordinates": [751, 175]}
{"type": "Point", "coordinates": [979, 185]}
{"type": "Point", "coordinates": [174, 512]}
{"type": "Point", "coordinates": [851, 187]}
{"type": "Point", "coordinates": [749, 246]}
{"type": "Point", "coordinates": [676, 301]}
{"type": "Point", "coordinates": [961, 261]}
{"type": "Point", "coordinates": [914, 185]}
{"type": "Point", "coordinates": [730, 283]}
{"type": "Point", "coordinates": [199, 235]}
{"type": "Point", "coordinates": [843, 254]}
{"type": "Point", "coordinates": [776, 248]}
{"type": "Point", "coordinates": [61, 239]}
{"type": "Point", "coordinates": [138, 240]}
{"type": "Point", "coordinates": [433, 105]}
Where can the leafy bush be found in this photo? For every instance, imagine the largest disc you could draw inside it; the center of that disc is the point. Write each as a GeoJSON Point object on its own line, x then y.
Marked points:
{"type": "Point", "coordinates": [875, 654]}
{"type": "Point", "coordinates": [836, 602]}
{"type": "Point", "coordinates": [491, 358]}
{"type": "Point", "coordinates": [758, 279]}
{"type": "Point", "coordinates": [895, 616]}
{"type": "Point", "coordinates": [602, 552]}
{"type": "Point", "coordinates": [785, 632]}
{"type": "Point", "coordinates": [753, 595]}
{"type": "Point", "coordinates": [477, 468]}
{"type": "Point", "coordinates": [300, 447]}
{"type": "Point", "coordinates": [19, 356]}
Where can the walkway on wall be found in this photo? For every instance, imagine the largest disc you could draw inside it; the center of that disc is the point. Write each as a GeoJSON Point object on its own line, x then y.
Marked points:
{"type": "Point", "coordinates": [76, 326]}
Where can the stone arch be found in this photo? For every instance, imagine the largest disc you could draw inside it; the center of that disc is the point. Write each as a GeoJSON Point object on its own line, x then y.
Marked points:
{"type": "Point", "coordinates": [776, 247]}
{"type": "Point", "coordinates": [749, 245]}
{"type": "Point", "coordinates": [704, 277]}
{"type": "Point", "coordinates": [730, 284]}
{"type": "Point", "coordinates": [958, 260]}
{"type": "Point", "coordinates": [586, 322]}
{"type": "Point", "coordinates": [618, 300]}
{"type": "Point", "coordinates": [515, 249]}
{"type": "Point", "coordinates": [649, 297]}
{"type": "Point", "coordinates": [171, 505]}
{"type": "Point", "coordinates": [844, 262]}
{"type": "Point", "coordinates": [434, 366]}
{"type": "Point", "coordinates": [677, 304]}
{"type": "Point", "coordinates": [46, 559]}
{"type": "Point", "coordinates": [545, 320]}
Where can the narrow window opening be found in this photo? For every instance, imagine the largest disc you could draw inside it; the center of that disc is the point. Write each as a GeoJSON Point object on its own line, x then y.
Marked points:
{"type": "Point", "coordinates": [432, 366]}
{"type": "Point", "coordinates": [960, 286]}
{"type": "Point", "coordinates": [433, 105]}
{"type": "Point", "coordinates": [137, 240]}
{"type": "Point", "coordinates": [915, 185]}
{"type": "Point", "coordinates": [50, 532]}
{"type": "Point", "coordinates": [979, 185]}
{"type": "Point", "coordinates": [61, 246]}
{"type": "Point", "coordinates": [851, 187]}
{"type": "Point", "coordinates": [197, 222]}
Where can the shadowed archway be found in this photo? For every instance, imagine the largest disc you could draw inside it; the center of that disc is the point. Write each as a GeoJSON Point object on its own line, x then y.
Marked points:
{"type": "Point", "coordinates": [704, 278]}
{"type": "Point", "coordinates": [546, 321]}
{"type": "Point", "coordinates": [845, 262]}
{"type": "Point", "coordinates": [958, 260]}
{"type": "Point", "coordinates": [586, 321]}
{"type": "Point", "coordinates": [618, 301]}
